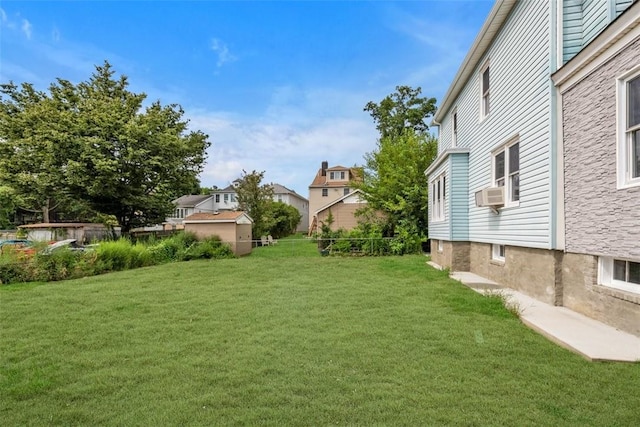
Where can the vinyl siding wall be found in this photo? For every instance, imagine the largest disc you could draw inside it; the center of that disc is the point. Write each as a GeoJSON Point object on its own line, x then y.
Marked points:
{"type": "Point", "coordinates": [520, 106]}
{"type": "Point", "coordinates": [458, 184]}
{"type": "Point", "coordinates": [583, 20]}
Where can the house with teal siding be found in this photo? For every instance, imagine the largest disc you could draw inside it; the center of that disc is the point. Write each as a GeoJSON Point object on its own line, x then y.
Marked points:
{"type": "Point", "coordinates": [496, 188]}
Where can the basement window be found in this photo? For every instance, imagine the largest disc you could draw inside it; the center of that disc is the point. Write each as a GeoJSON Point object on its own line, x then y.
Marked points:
{"type": "Point", "coordinates": [497, 252]}
{"type": "Point", "coordinates": [619, 273]}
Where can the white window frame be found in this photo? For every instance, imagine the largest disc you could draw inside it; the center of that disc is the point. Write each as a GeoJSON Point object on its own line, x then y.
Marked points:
{"type": "Point", "coordinates": [485, 93]}
{"type": "Point", "coordinates": [509, 176]}
{"type": "Point", "coordinates": [454, 128]}
{"type": "Point", "coordinates": [498, 252]}
{"type": "Point", "coordinates": [226, 198]}
{"type": "Point", "coordinates": [623, 133]}
{"type": "Point", "coordinates": [606, 275]}
{"type": "Point", "coordinates": [332, 176]}
{"type": "Point", "coordinates": [346, 191]}
{"type": "Point", "coordinates": [439, 197]}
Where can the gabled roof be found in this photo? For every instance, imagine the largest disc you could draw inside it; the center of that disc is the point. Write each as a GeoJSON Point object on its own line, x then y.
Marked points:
{"type": "Point", "coordinates": [222, 216]}
{"type": "Point", "coordinates": [281, 189]}
{"type": "Point", "coordinates": [490, 29]}
{"type": "Point", "coordinates": [340, 200]}
{"type": "Point", "coordinates": [190, 201]}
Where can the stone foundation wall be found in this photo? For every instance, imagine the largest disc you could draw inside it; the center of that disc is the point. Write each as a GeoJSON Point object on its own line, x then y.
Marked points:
{"type": "Point", "coordinates": [583, 295]}
{"type": "Point", "coordinates": [454, 255]}
{"type": "Point", "coordinates": [553, 277]}
{"type": "Point", "coordinates": [530, 271]}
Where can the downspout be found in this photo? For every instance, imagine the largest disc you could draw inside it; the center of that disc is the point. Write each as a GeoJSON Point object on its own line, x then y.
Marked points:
{"type": "Point", "coordinates": [553, 128]}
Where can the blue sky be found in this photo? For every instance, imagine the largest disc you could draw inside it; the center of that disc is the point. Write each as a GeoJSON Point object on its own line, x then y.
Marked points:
{"type": "Point", "coordinates": [277, 86]}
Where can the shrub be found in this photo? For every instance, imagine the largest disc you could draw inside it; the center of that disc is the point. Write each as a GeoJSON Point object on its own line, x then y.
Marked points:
{"type": "Point", "coordinates": [57, 265]}
{"type": "Point", "coordinates": [210, 248]}
{"type": "Point", "coordinates": [115, 255]}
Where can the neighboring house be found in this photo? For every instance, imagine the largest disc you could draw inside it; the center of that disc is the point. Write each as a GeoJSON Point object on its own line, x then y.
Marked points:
{"type": "Point", "coordinates": [600, 111]}
{"type": "Point", "coordinates": [233, 227]}
{"type": "Point", "coordinates": [329, 185]}
{"type": "Point", "coordinates": [225, 199]}
{"type": "Point", "coordinates": [496, 188]}
{"type": "Point", "coordinates": [188, 205]}
{"type": "Point", "coordinates": [342, 210]}
{"type": "Point", "coordinates": [290, 197]}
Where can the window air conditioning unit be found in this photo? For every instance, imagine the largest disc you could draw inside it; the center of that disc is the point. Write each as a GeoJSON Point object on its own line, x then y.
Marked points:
{"type": "Point", "coordinates": [490, 197]}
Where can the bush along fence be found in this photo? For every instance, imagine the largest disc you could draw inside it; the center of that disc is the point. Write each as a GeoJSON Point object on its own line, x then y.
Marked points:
{"type": "Point", "coordinates": [361, 246]}
{"type": "Point", "coordinates": [108, 256]}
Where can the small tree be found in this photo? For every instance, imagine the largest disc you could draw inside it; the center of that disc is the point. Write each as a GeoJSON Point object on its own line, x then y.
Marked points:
{"type": "Point", "coordinates": [282, 219]}
{"type": "Point", "coordinates": [255, 198]}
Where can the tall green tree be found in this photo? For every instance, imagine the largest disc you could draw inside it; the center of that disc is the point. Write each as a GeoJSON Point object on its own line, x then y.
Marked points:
{"type": "Point", "coordinates": [394, 181]}
{"type": "Point", "coordinates": [255, 198]}
{"type": "Point", "coordinates": [95, 144]}
{"type": "Point", "coordinates": [403, 109]}
{"type": "Point", "coordinates": [35, 146]}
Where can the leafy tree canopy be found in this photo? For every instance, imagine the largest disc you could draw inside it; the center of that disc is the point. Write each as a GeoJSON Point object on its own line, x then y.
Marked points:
{"type": "Point", "coordinates": [404, 109]}
{"type": "Point", "coordinates": [282, 219]}
{"type": "Point", "coordinates": [255, 198]}
{"type": "Point", "coordinates": [394, 180]}
{"type": "Point", "coordinates": [94, 143]}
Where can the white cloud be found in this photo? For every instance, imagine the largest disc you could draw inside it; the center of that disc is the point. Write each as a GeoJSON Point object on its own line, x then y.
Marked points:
{"type": "Point", "coordinates": [298, 130]}
{"type": "Point", "coordinates": [26, 28]}
{"type": "Point", "coordinates": [3, 16]}
{"type": "Point", "coordinates": [222, 50]}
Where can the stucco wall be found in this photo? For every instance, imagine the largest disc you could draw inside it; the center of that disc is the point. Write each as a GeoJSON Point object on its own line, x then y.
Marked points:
{"type": "Point", "coordinates": [237, 235]}
{"type": "Point", "coordinates": [600, 219]}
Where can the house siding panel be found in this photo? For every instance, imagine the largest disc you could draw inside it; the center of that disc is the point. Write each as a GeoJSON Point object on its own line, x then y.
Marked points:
{"type": "Point", "coordinates": [600, 219]}
{"type": "Point", "coordinates": [595, 17]}
{"type": "Point", "coordinates": [459, 197]}
{"type": "Point", "coordinates": [520, 106]}
{"type": "Point", "coordinates": [572, 28]}
{"type": "Point", "coordinates": [621, 6]}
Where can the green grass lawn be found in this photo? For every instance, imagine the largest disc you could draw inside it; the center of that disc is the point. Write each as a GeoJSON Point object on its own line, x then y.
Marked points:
{"type": "Point", "coordinates": [286, 337]}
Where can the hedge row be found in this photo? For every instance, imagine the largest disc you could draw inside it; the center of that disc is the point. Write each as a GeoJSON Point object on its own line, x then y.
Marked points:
{"type": "Point", "coordinates": [107, 257]}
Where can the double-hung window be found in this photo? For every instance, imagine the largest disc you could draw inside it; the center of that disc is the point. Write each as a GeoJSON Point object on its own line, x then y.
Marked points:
{"type": "Point", "coordinates": [506, 171]}
{"type": "Point", "coordinates": [484, 92]}
{"type": "Point", "coordinates": [629, 130]}
{"type": "Point", "coordinates": [438, 191]}
{"type": "Point", "coordinates": [325, 192]}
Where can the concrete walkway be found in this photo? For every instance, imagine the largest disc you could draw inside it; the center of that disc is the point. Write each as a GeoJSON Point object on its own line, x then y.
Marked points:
{"type": "Point", "coordinates": [583, 335]}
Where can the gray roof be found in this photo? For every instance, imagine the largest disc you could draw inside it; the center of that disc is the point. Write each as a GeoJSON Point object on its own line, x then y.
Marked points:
{"type": "Point", "coordinates": [191, 200]}
{"type": "Point", "coordinates": [228, 189]}
{"type": "Point", "coordinates": [281, 189]}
